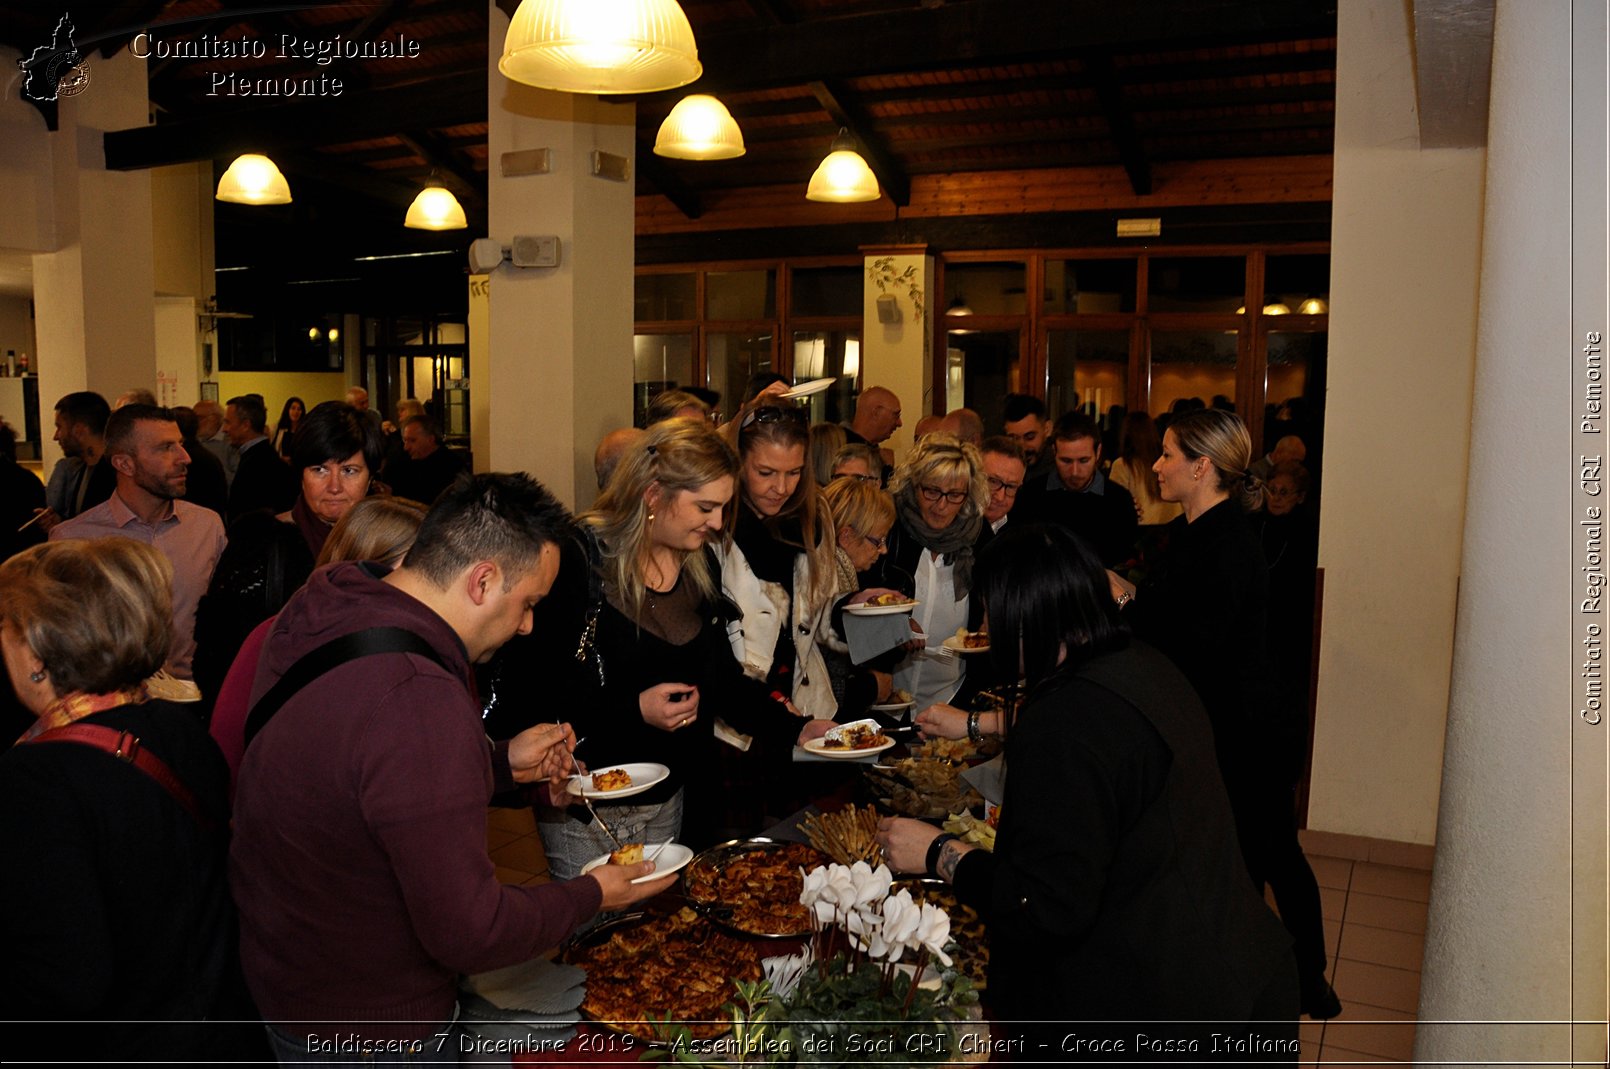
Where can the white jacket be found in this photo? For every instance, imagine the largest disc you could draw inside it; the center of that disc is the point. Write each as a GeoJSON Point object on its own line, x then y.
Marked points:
{"type": "Point", "coordinates": [765, 608]}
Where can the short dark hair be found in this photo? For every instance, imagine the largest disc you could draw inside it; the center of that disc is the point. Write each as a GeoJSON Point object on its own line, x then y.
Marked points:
{"type": "Point", "coordinates": [252, 407]}
{"type": "Point", "coordinates": [86, 407]}
{"type": "Point", "coordinates": [8, 441]}
{"type": "Point", "coordinates": [426, 425]}
{"type": "Point", "coordinates": [504, 518]}
{"type": "Point", "coordinates": [1072, 426]}
{"type": "Point", "coordinates": [185, 417]}
{"type": "Point", "coordinates": [1006, 447]}
{"type": "Point", "coordinates": [334, 430]}
{"type": "Point", "coordinates": [1020, 406]}
{"type": "Point", "coordinates": [1045, 590]}
{"type": "Point", "coordinates": [120, 426]}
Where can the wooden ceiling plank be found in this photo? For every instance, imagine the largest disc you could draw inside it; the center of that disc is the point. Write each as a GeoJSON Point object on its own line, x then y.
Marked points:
{"type": "Point", "coordinates": [669, 185]}
{"type": "Point", "coordinates": [847, 113]}
{"type": "Point", "coordinates": [463, 182]}
{"type": "Point", "coordinates": [1120, 121]}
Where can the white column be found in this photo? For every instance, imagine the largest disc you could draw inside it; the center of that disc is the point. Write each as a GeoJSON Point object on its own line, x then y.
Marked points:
{"type": "Point", "coordinates": [1405, 244]}
{"type": "Point", "coordinates": [1499, 945]}
{"type": "Point", "coordinates": [94, 292]}
{"type": "Point", "coordinates": [898, 355]}
{"type": "Point", "coordinates": [561, 338]}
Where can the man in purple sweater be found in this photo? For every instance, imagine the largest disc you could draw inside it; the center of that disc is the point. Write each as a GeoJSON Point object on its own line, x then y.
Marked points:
{"type": "Point", "coordinates": [359, 860]}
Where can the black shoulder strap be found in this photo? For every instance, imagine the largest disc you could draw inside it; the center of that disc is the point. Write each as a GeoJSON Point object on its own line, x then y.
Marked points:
{"type": "Point", "coordinates": [332, 654]}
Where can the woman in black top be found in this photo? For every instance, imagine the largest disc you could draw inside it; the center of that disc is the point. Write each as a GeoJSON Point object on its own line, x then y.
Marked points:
{"type": "Point", "coordinates": [1205, 606]}
{"type": "Point", "coordinates": [652, 668]}
{"type": "Point", "coordinates": [1115, 891]}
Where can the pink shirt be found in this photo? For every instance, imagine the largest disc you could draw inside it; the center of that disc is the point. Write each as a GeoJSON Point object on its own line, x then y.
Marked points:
{"type": "Point", "coordinates": [190, 536]}
{"type": "Point", "coordinates": [228, 723]}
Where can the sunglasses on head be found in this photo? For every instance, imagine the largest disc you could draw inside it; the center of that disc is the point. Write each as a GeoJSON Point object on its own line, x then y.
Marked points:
{"type": "Point", "coordinates": [772, 414]}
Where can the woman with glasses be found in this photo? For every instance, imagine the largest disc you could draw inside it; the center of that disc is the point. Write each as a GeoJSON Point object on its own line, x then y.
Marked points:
{"type": "Point", "coordinates": [779, 567]}
{"type": "Point", "coordinates": [1205, 606]}
{"type": "Point", "coordinates": [940, 495]}
{"type": "Point", "coordinates": [862, 515]}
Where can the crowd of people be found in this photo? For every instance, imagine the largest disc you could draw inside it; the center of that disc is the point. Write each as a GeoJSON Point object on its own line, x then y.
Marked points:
{"type": "Point", "coordinates": [356, 613]}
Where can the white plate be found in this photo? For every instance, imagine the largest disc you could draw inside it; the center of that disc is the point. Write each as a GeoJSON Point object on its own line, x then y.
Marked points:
{"type": "Point", "coordinates": [818, 747]}
{"type": "Point", "coordinates": [645, 774]}
{"type": "Point", "coordinates": [669, 859]}
{"type": "Point", "coordinates": [953, 644]}
{"type": "Point", "coordinates": [891, 707]}
{"type": "Point", "coordinates": [805, 389]}
{"type": "Point", "coordinates": [881, 610]}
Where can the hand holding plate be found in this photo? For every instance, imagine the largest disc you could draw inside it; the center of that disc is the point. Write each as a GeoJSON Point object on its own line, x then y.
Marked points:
{"type": "Point", "coordinates": [620, 891]}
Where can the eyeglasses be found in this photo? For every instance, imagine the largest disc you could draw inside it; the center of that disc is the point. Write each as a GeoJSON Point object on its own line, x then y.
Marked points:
{"type": "Point", "coordinates": [880, 543]}
{"type": "Point", "coordinates": [996, 486]}
{"type": "Point", "coordinates": [932, 494]}
{"type": "Point", "coordinates": [1275, 491]}
{"type": "Point", "coordinates": [772, 414]}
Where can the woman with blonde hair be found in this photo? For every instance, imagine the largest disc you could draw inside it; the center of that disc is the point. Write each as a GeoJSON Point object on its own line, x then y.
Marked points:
{"type": "Point", "coordinates": [652, 667]}
{"type": "Point", "coordinates": [117, 913]}
{"type": "Point", "coordinates": [940, 493]}
{"type": "Point", "coordinates": [1205, 605]}
{"type": "Point", "coordinates": [826, 441]}
{"type": "Point", "coordinates": [1138, 449]}
{"type": "Point", "coordinates": [376, 529]}
{"type": "Point", "coordinates": [863, 514]}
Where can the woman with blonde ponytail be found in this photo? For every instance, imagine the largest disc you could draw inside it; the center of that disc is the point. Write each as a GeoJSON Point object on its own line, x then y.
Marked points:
{"type": "Point", "coordinates": [1205, 607]}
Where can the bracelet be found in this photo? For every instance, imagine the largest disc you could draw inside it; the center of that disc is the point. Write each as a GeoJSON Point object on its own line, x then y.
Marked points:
{"type": "Point", "coordinates": [1124, 598]}
{"type": "Point", "coordinates": [974, 732]}
{"type": "Point", "coordinates": [933, 851]}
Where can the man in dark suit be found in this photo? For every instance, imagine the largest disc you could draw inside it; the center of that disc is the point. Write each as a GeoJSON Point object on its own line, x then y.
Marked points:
{"type": "Point", "coordinates": [427, 467]}
{"type": "Point", "coordinates": [262, 480]}
{"type": "Point", "coordinates": [1078, 496]}
{"type": "Point", "coordinates": [206, 485]}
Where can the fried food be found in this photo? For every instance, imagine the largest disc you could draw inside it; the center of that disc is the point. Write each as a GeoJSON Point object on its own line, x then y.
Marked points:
{"type": "Point", "coordinates": [966, 928]}
{"type": "Point", "coordinates": [628, 854]}
{"type": "Point", "coordinates": [760, 882]}
{"type": "Point", "coordinates": [679, 964]}
{"type": "Point", "coordinates": [972, 640]}
{"type": "Point", "coordinates": [924, 786]}
{"type": "Point", "coordinates": [848, 836]}
{"type": "Point", "coordinates": [853, 737]}
{"type": "Point", "coordinates": [613, 779]}
{"type": "Point", "coordinates": [889, 599]}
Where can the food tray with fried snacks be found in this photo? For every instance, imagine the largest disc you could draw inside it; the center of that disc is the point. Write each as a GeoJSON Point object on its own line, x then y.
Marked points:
{"type": "Point", "coordinates": [752, 886]}
{"type": "Point", "coordinates": [677, 964]}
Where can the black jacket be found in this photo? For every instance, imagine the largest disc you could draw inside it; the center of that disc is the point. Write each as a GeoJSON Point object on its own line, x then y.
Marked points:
{"type": "Point", "coordinates": [1106, 521]}
{"type": "Point", "coordinates": [262, 481]}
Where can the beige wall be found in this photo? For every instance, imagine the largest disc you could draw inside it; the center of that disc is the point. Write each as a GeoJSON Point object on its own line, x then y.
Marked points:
{"type": "Point", "coordinates": [1405, 247]}
{"type": "Point", "coordinates": [279, 386]}
{"type": "Point", "coordinates": [182, 217]}
{"type": "Point", "coordinates": [897, 355]}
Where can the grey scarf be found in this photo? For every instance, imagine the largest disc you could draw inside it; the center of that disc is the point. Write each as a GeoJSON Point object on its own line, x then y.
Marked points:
{"type": "Point", "coordinates": [954, 543]}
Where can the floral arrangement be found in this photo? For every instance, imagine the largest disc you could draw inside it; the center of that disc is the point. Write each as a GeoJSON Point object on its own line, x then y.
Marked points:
{"type": "Point", "coordinates": [856, 994]}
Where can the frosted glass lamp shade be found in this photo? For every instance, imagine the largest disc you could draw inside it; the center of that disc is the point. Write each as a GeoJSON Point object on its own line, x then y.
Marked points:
{"type": "Point", "coordinates": [600, 46]}
{"type": "Point", "coordinates": [699, 128]}
{"type": "Point", "coordinates": [253, 179]}
{"type": "Point", "coordinates": [435, 209]}
{"type": "Point", "coordinates": [843, 178]}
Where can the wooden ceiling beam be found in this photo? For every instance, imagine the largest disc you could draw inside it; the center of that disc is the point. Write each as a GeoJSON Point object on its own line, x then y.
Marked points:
{"type": "Point", "coordinates": [990, 31]}
{"type": "Point", "coordinates": [847, 113]}
{"type": "Point", "coordinates": [669, 184]}
{"type": "Point", "coordinates": [445, 101]}
{"type": "Point", "coordinates": [1120, 121]}
{"type": "Point", "coordinates": [464, 183]}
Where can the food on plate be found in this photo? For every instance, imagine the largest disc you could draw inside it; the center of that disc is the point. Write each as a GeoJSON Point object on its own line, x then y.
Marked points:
{"type": "Point", "coordinates": [923, 787]}
{"type": "Point", "coordinates": [971, 829]}
{"type": "Point", "coordinates": [861, 735]}
{"type": "Point", "coordinates": [848, 836]}
{"type": "Point", "coordinates": [966, 928]}
{"type": "Point", "coordinates": [613, 779]}
{"type": "Point", "coordinates": [760, 882]}
{"type": "Point", "coordinates": [628, 854]}
{"type": "Point", "coordinates": [678, 965]}
{"type": "Point", "coordinates": [890, 598]}
{"type": "Point", "coordinates": [941, 749]}
{"type": "Point", "coordinates": [972, 640]}
{"type": "Point", "coordinates": [900, 697]}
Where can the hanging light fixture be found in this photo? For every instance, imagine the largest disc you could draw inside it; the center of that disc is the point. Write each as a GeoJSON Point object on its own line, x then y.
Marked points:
{"type": "Point", "coordinates": [253, 179]}
{"type": "Point", "coordinates": [1313, 306]}
{"type": "Point", "coordinates": [435, 209]}
{"type": "Point", "coordinates": [843, 177]}
{"type": "Point", "coordinates": [600, 46]}
{"type": "Point", "coordinates": [1277, 308]}
{"type": "Point", "coordinates": [699, 128]}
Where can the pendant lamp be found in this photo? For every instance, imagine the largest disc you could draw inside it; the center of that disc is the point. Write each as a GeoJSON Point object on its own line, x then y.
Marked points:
{"type": "Point", "coordinates": [843, 177]}
{"type": "Point", "coordinates": [600, 46]}
{"type": "Point", "coordinates": [253, 179]}
{"type": "Point", "coordinates": [699, 128]}
{"type": "Point", "coordinates": [435, 209]}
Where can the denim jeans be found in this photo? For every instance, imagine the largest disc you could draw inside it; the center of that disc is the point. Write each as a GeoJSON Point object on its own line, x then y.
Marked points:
{"type": "Point", "coordinates": [570, 844]}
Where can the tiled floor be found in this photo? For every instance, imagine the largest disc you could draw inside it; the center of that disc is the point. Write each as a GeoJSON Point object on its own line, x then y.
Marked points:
{"type": "Point", "coordinates": [1375, 922]}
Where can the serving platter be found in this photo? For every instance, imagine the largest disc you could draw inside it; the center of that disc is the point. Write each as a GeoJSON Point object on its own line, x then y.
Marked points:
{"type": "Point", "coordinates": [966, 927]}
{"type": "Point", "coordinates": [752, 886]}
{"type": "Point", "coordinates": [676, 963]}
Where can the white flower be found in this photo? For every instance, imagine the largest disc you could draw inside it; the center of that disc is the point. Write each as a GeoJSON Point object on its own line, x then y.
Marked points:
{"type": "Point", "coordinates": [900, 920]}
{"type": "Point", "coordinates": [870, 884]}
{"type": "Point", "coordinates": [839, 888]}
{"type": "Point", "coordinates": [814, 881]}
{"type": "Point", "coordinates": [933, 932]}
{"type": "Point", "coordinates": [785, 973]}
{"type": "Point", "coordinates": [867, 930]}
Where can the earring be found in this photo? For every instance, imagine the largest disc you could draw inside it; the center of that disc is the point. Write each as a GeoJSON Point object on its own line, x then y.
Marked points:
{"type": "Point", "coordinates": [650, 515]}
{"type": "Point", "coordinates": [37, 677]}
